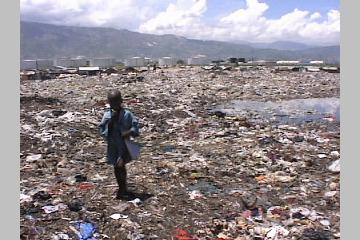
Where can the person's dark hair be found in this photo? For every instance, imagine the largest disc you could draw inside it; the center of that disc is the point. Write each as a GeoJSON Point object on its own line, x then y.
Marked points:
{"type": "Point", "coordinates": [114, 96]}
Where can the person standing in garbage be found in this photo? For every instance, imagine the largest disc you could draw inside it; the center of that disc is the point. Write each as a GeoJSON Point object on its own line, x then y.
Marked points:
{"type": "Point", "coordinates": [117, 124]}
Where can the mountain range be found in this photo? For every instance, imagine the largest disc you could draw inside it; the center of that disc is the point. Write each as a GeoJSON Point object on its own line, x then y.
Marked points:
{"type": "Point", "coordinates": [39, 40]}
{"type": "Point", "coordinates": [278, 45]}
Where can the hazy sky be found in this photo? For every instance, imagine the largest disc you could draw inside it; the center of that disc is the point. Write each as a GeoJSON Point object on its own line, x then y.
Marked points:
{"type": "Point", "coordinates": [307, 21]}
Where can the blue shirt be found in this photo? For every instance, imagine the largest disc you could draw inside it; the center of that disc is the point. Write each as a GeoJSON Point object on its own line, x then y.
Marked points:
{"type": "Point", "coordinates": [111, 130]}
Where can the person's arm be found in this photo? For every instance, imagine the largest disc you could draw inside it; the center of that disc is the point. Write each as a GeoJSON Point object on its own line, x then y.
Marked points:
{"type": "Point", "coordinates": [134, 123]}
{"type": "Point", "coordinates": [103, 126]}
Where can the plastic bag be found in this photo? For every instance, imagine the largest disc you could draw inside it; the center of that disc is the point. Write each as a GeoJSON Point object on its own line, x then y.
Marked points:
{"type": "Point", "coordinates": [133, 149]}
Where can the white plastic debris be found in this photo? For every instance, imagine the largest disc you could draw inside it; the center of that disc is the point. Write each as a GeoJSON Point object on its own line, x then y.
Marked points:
{"type": "Point", "coordinates": [337, 235]}
{"type": "Point", "coordinates": [321, 140]}
{"type": "Point", "coordinates": [282, 177]}
{"type": "Point", "coordinates": [314, 216]}
{"type": "Point", "coordinates": [335, 154]}
{"type": "Point", "coordinates": [195, 194]}
{"type": "Point", "coordinates": [330, 194]}
{"type": "Point", "coordinates": [136, 202]}
{"type": "Point", "coordinates": [335, 166]}
{"type": "Point", "coordinates": [60, 236]}
{"type": "Point", "coordinates": [135, 236]}
{"type": "Point", "coordinates": [285, 141]}
{"type": "Point", "coordinates": [276, 233]}
{"type": "Point", "coordinates": [223, 236]}
{"type": "Point", "coordinates": [70, 116]}
{"type": "Point", "coordinates": [117, 216]}
{"type": "Point", "coordinates": [25, 198]}
{"type": "Point", "coordinates": [26, 127]}
{"type": "Point", "coordinates": [325, 222]}
{"type": "Point", "coordinates": [33, 158]}
{"type": "Point", "coordinates": [303, 211]}
{"type": "Point", "coordinates": [51, 209]}
{"type": "Point", "coordinates": [333, 186]}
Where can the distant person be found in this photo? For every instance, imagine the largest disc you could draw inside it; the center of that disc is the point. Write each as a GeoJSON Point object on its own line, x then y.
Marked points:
{"type": "Point", "coordinates": [154, 67]}
{"type": "Point", "coordinates": [118, 124]}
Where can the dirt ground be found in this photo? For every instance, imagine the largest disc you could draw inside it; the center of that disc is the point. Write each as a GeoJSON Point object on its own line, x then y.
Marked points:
{"type": "Point", "coordinates": [200, 176]}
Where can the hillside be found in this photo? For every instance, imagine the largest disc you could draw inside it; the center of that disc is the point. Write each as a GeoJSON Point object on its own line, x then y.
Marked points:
{"type": "Point", "coordinates": [40, 40]}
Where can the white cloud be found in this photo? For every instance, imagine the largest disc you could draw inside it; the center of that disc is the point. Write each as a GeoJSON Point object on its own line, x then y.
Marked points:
{"type": "Point", "coordinates": [302, 26]}
{"type": "Point", "coordinates": [118, 14]}
{"type": "Point", "coordinates": [247, 23]}
{"type": "Point", "coordinates": [186, 18]}
{"type": "Point", "coordinates": [315, 16]}
{"type": "Point", "coordinates": [253, 13]}
{"type": "Point", "coordinates": [178, 18]}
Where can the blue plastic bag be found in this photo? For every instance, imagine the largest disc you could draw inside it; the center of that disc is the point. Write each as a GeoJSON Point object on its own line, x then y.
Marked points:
{"type": "Point", "coordinates": [86, 231]}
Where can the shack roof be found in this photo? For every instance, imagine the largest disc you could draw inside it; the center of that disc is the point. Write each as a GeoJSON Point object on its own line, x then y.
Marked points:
{"type": "Point", "coordinates": [89, 68]}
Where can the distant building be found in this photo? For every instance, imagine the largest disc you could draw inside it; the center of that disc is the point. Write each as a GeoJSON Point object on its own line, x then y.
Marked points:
{"type": "Point", "coordinates": [167, 62]}
{"type": "Point", "coordinates": [147, 61]}
{"type": "Point", "coordinates": [28, 64]}
{"type": "Point", "coordinates": [218, 62]}
{"type": "Point", "coordinates": [38, 64]}
{"type": "Point", "coordinates": [232, 60]}
{"type": "Point", "coordinates": [43, 64]}
{"type": "Point", "coordinates": [102, 62]}
{"type": "Point", "coordinates": [316, 62]}
{"type": "Point", "coordinates": [236, 60]}
{"type": "Point", "coordinates": [287, 62]}
{"type": "Point", "coordinates": [284, 69]}
{"type": "Point", "coordinates": [72, 62]}
{"type": "Point", "coordinates": [135, 62]}
{"type": "Point", "coordinates": [262, 63]}
{"type": "Point", "coordinates": [313, 69]}
{"type": "Point", "coordinates": [27, 75]}
{"type": "Point", "coordinates": [198, 60]}
{"type": "Point", "coordinates": [331, 69]}
{"type": "Point", "coordinates": [298, 69]}
{"type": "Point", "coordinates": [89, 70]}
{"type": "Point", "coordinates": [241, 60]}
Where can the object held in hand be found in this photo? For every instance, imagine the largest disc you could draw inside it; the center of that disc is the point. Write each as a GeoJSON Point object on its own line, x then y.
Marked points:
{"type": "Point", "coordinates": [133, 149]}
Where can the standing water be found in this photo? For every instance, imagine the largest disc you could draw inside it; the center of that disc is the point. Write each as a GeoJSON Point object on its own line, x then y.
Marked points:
{"type": "Point", "coordinates": [285, 111]}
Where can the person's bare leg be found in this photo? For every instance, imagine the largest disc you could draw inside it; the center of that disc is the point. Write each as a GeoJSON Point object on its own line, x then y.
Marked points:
{"type": "Point", "coordinates": [120, 174]}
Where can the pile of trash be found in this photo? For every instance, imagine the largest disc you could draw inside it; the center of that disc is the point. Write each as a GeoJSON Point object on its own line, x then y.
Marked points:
{"type": "Point", "coordinates": [204, 173]}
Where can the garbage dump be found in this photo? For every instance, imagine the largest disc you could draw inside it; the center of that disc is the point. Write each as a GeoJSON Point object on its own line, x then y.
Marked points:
{"type": "Point", "coordinates": [226, 154]}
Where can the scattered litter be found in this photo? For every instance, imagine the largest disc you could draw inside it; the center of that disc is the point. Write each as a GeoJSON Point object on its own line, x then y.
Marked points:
{"type": "Point", "coordinates": [312, 234]}
{"type": "Point", "coordinates": [195, 194]}
{"type": "Point", "coordinates": [137, 202]}
{"type": "Point", "coordinates": [84, 230]}
{"type": "Point", "coordinates": [60, 236]}
{"type": "Point", "coordinates": [25, 198]}
{"type": "Point", "coordinates": [32, 158]}
{"type": "Point", "coordinates": [86, 186]}
{"type": "Point", "coordinates": [75, 205]}
{"type": "Point", "coordinates": [118, 216]}
{"type": "Point", "coordinates": [51, 209]}
{"type": "Point", "coordinates": [330, 194]}
{"type": "Point", "coordinates": [335, 166]}
{"type": "Point", "coordinates": [325, 222]}
{"type": "Point", "coordinates": [277, 233]}
{"type": "Point", "coordinates": [241, 153]}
